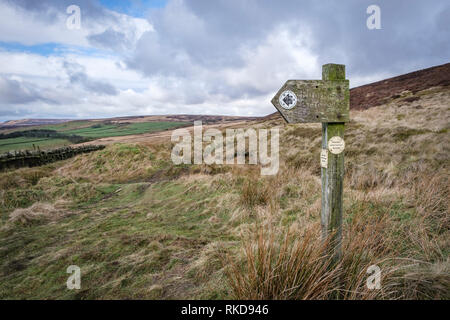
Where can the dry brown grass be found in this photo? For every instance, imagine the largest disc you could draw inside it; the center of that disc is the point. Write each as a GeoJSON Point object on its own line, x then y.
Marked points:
{"type": "Point", "coordinates": [254, 193]}
{"type": "Point", "coordinates": [290, 269]}
{"type": "Point", "coordinates": [38, 212]}
{"type": "Point", "coordinates": [24, 177]}
{"type": "Point", "coordinates": [425, 280]}
{"type": "Point", "coordinates": [118, 163]}
{"type": "Point", "coordinates": [287, 264]}
{"type": "Point", "coordinates": [431, 198]}
{"type": "Point", "coordinates": [396, 213]}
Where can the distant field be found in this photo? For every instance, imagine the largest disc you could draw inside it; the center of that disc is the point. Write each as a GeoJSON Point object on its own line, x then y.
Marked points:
{"type": "Point", "coordinates": [85, 128]}
{"type": "Point", "coordinates": [116, 130]}
{"type": "Point", "coordinates": [25, 143]}
{"type": "Point", "coordinates": [66, 126]}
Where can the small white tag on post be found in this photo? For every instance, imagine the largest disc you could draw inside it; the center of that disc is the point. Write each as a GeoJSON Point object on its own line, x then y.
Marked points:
{"type": "Point", "coordinates": [324, 158]}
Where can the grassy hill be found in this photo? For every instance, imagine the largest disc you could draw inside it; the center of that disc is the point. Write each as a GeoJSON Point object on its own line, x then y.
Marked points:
{"type": "Point", "coordinates": [27, 143]}
{"type": "Point", "coordinates": [96, 129]}
{"type": "Point", "coordinates": [82, 129]}
{"type": "Point", "coordinates": [140, 227]}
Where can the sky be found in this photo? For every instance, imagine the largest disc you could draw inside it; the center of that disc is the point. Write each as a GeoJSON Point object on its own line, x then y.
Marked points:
{"type": "Point", "coordinates": [217, 57]}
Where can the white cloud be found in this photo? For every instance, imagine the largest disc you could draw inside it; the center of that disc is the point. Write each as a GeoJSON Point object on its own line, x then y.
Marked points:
{"type": "Point", "coordinates": [20, 25]}
{"type": "Point", "coordinates": [221, 57]}
{"type": "Point", "coordinates": [32, 28]}
{"type": "Point", "coordinates": [283, 55]}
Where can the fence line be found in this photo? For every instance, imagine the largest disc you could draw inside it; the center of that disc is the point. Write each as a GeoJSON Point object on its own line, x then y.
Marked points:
{"type": "Point", "coordinates": [18, 159]}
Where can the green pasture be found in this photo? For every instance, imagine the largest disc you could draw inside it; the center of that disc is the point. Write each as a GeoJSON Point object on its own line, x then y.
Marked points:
{"type": "Point", "coordinates": [115, 130]}
{"type": "Point", "coordinates": [85, 128]}
{"type": "Point", "coordinates": [26, 143]}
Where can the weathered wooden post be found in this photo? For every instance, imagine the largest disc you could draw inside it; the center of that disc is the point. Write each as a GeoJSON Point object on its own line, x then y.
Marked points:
{"type": "Point", "coordinates": [333, 172]}
{"type": "Point", "coordinates": [326, 101]}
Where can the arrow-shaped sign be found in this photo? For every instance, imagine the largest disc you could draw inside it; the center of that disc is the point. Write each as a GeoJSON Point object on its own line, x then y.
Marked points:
{"type": "Point", "coordinates": [313, 101]}
{"type": "Point", "coordinates": [326, 101]}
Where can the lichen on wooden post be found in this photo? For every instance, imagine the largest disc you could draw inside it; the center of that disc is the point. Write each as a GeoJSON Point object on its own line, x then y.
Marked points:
{"type": "Point", "coordinates": [333, 174]}
{"type": "Point", "coordinates": [326, 101]}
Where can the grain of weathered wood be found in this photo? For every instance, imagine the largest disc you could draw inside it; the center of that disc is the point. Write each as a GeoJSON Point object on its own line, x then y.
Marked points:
{"type": "Point", "coordinates": [326, 101]}
{"type": "Point", "coordinates": [318, 101]}
{"type": "Point", "coordinates": [332, 71]}
{"type": "Point", "coordinates": [332, 188]}
{"type": "Point", "coordinates": [333, 175]}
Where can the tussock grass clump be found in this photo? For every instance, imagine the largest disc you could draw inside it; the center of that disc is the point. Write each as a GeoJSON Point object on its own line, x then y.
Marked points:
{"type": "Point", "coordinates": [431, 198]}
{"type": "Point", "coordinates": [37, 213]}
{"type": "Point", "coordinates": [290, 264]}
{"type": "Point", "coordinates": [24, 177]}
{"type": "Point", "coordinates": [20, 198]}
{"type": "Point", "coordinates": [255, 192]}
{"type": "Point", "coordinates": [277, 267]}
{"type": "Point", "coordinates": [208, 262]}
{"type": "Point", "coordinates": [425, 280]}
{"type": "Point", "coordinates": [117, 163]}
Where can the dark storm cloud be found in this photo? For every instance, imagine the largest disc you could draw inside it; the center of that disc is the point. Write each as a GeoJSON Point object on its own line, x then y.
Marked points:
{"type": "Point", "coordinates": [92, 14]}
{"type": "Point", "coordinates": [414, 34]}
{"type": "Point", "coordinates": [201, 49]}
{"type": "Point", "coordinates": [48, 9]}
{"type": "Point", "coordinates": [110, 39]}
{"type": "Point", "coordinates": [207, 33]}
{"type": "Point", "coordinates": [19, 92]}
{"type": "Point", "coordinates": [77, 75]}
{"type": "Point", "coordinates": [6, 113]}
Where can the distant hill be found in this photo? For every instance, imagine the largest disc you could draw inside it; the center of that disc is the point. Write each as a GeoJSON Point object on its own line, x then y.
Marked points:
{"type": "Point", "coordinates": [13, 124]}
{"type": "Point", "coordinates": [377, 93]}
{"type": "Point", "coordinates": [30, 122]}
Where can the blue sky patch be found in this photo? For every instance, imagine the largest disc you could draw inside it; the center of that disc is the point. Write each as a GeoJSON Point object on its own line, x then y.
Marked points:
{"type": "Point", "coordinates": [46, 49]}
{"type": "Point", "coordinates": [135, 8]}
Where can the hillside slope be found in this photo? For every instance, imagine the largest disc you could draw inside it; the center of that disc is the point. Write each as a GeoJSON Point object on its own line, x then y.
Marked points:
{"type": "Point", "coordinates": [380, 92]}
{"type": "Point", "coordinates": [140, 227]}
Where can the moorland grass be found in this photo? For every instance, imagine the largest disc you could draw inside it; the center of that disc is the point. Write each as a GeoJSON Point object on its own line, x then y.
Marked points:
{"type": "Point", "coordinates": [141, 227]}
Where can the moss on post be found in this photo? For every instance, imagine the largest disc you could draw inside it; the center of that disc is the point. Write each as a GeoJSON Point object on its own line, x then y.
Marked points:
{"type": "Point", "coordinates": [333, 175]}
{"type": "Point", "coordinates": [333, 71]}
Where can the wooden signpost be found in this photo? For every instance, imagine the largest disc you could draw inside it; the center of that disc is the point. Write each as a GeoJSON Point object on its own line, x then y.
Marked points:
{"type": "Point", "coordinates": [326, 101]}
